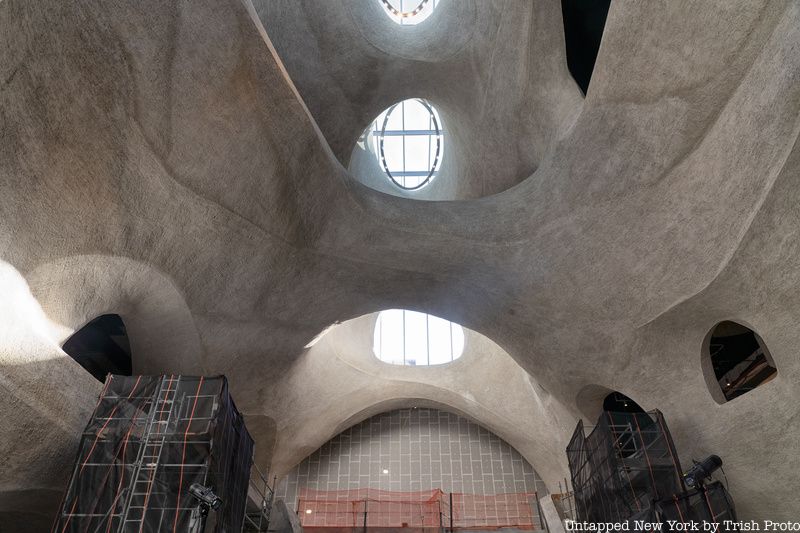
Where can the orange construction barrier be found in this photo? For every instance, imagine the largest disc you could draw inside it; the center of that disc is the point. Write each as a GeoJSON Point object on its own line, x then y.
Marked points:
{"type": "Point", "coordinates": [484, 511]}
{"type": "Point", "coordinates": [424, 509]}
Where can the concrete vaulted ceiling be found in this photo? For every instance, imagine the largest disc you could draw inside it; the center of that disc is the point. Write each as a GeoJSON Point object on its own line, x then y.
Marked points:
{"type": "Point", "coordinates": [181, 164]}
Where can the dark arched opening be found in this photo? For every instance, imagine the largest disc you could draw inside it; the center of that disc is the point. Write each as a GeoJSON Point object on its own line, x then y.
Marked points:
{"type": "Point", "coordinates": [739, 358]}
{"type": "Point", "coordinates": [616, 402]}
{"type": "Point", "coordinates": [583, 30]}
{"type": "Point", "coordinates": [627, 419]}
{"type": "Point", "coordinates": [101, 347]}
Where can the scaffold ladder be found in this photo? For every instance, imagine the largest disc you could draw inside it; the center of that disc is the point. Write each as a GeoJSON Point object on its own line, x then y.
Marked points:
{"type": "Point", "coordinates": [149, 455]}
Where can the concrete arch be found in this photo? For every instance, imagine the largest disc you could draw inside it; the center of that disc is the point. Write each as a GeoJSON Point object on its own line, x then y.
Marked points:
{"type": "Point", "coordinates": [590, 401]}
{"type": "Point", "coordinates": [162, 333]}
{"type": "Point", "coordinates": [339, 382]}
{"type": "Point", "coordinates": [412, 407]}
{"type": "Point", "coordinates": [539, 99]}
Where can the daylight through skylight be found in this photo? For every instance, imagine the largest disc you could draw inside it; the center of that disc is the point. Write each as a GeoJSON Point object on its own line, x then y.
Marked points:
{"type": "Point", "coordinates": [416, 339]}
{"type": "Point", "coordinates": [409, 12]}
{"type": "Point", "coordinates": [408, 141]}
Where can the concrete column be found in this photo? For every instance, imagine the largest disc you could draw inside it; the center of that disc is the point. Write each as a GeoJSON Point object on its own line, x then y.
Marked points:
{"type": "Point", "coordinates": [551, 517]}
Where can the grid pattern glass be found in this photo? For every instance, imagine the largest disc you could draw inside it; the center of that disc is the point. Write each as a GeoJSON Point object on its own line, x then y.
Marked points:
{"type": "Point", "coordinates": [416, 339]}
{"type": "Point", "coordinates": [409, 12]}
{"type": "Point", "coordinates": [408, 140]}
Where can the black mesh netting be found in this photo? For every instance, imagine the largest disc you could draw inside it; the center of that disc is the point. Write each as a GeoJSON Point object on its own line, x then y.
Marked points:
{"type": "Point", "coordinates": [150, 438]}
{"type": "Point", "coordinates": [627, 468]}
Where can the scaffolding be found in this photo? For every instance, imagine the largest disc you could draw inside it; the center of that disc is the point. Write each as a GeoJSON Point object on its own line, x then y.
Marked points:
{"type": "Point", "coordinates": [564, 502]}
{"type": "Point", "coordinates": [151, 439]}
{"type": "Point", "coordinates": [627, 468]}
{"type": "Point", "coordinates": [261, 498]}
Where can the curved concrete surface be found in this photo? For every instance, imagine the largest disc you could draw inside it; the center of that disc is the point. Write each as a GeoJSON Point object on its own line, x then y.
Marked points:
{"type": "Point", "coordinates": [495, 71]}
{"type": "Point", "coordinates": [187, 157]}
{"type": "Point", "coordinates": [516, 412]}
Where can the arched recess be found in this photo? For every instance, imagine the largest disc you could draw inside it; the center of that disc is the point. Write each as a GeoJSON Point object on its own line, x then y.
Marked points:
{"type": "Point", "coordinates": [292, 448]}
{"type": "Point", "coordinates": [75, 290]}
{"type": "Point", "coordinates": [338, 382]}
{"type": "Point", "coordinates": [617, 408]}
{"type": "Point", "coordinates": [589, 401]}
{"type": "Point", "coordinates": [735, 360]}
{"type": "Point", "coordinates": [296, 443]}
{"type": "Point", "coordinates": [616, 402]}
{"type": "Point", "coordinates": [593, 400]}
{"type": "Point", "coordinates": [101, 347]}
{"type": "Point", "coordinates": [396, 438]}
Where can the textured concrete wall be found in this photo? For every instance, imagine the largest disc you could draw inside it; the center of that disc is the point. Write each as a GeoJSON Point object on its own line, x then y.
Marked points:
{"type": "Point", "coordinates": [283, 519]}
{"type": "Point", "coordinates": [421, 449]}
{"type": "Point", "coordinates": [162, 159]}
{"type": "Point", "coordinates": [495, 70]}
{"type": "Point", "coordinates": [523, 415]}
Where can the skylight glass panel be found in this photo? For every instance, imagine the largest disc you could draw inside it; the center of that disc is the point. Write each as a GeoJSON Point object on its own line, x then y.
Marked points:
{"type": "Point", "coordinates": [408, 140]}
{"type": "Point", "coordinates": [409, 12]}
{"type": "Point", "coordinates": [416, 339]}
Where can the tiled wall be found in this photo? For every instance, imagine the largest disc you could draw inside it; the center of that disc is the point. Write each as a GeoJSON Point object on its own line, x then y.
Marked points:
{"type": "Point", "coordinates": [410, 450]}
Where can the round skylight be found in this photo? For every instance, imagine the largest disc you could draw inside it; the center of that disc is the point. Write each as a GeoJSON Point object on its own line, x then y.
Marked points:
{"type": "Point", "coordinates": [408, 140]}
{"type": "Point", "coordinates": [409, 12]}
{"type": "Point", "coordinates": [416, 339]}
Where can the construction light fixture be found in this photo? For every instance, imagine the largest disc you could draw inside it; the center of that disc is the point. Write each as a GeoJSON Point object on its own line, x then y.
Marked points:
{"type": "Point", "coordinates": [206, 496]}
{"type": "Point", "coordinates": [308, 511]}
{"type": "Point", "coordinates": [702, 470]}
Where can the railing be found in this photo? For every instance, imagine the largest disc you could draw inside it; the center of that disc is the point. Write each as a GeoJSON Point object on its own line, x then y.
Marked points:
{"type": "Point", "coordinates": [371, 508]}
{"type": "Point", "coordinates": [564, 502]}
{"type": "Point", "coordinates": [260, 498]}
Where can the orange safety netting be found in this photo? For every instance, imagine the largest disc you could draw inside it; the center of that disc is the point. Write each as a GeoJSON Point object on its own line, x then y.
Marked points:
{"type": "Point", "coordinates": [479, 511]}
{"type": "Point", "coordinates": [381, 508]}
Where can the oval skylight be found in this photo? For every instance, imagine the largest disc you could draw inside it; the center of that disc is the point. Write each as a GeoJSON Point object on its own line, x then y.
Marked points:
{"type": "Point", "coordinates": [416, 339]}
{"type": "Point", "coordinates": [408, 140]}
{"type": "Point", "coordinates": [409, 12]}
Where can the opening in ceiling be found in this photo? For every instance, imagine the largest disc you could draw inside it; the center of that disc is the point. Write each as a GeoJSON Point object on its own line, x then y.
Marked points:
{"type": "Point", "coordinates": [416, 339]}
{"type": "Point", "coordinates": [408, 142]}
{"type": "Point", "coordinates": [409, 12]}
{"type": "Point", "coordinates": [101, 347]}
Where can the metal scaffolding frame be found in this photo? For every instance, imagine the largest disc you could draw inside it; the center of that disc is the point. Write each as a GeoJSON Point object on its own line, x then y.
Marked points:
{"type": "Point", "coordinates": [627, 468]}
{"type": "Point", "coordinates": [149, 440]}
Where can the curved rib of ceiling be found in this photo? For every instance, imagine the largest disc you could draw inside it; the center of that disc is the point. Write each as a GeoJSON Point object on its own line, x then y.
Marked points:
{"type": "Point", "coordinates": [339, 382]}
{"type": "Point", "coordinates": [495, 70]}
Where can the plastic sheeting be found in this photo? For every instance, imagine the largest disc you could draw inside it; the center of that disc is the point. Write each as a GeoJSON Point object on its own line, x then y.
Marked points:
{"type": "Point", "coordinates": [149, 439]}
{"type": "Point", "coordinates": [627, 469]}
